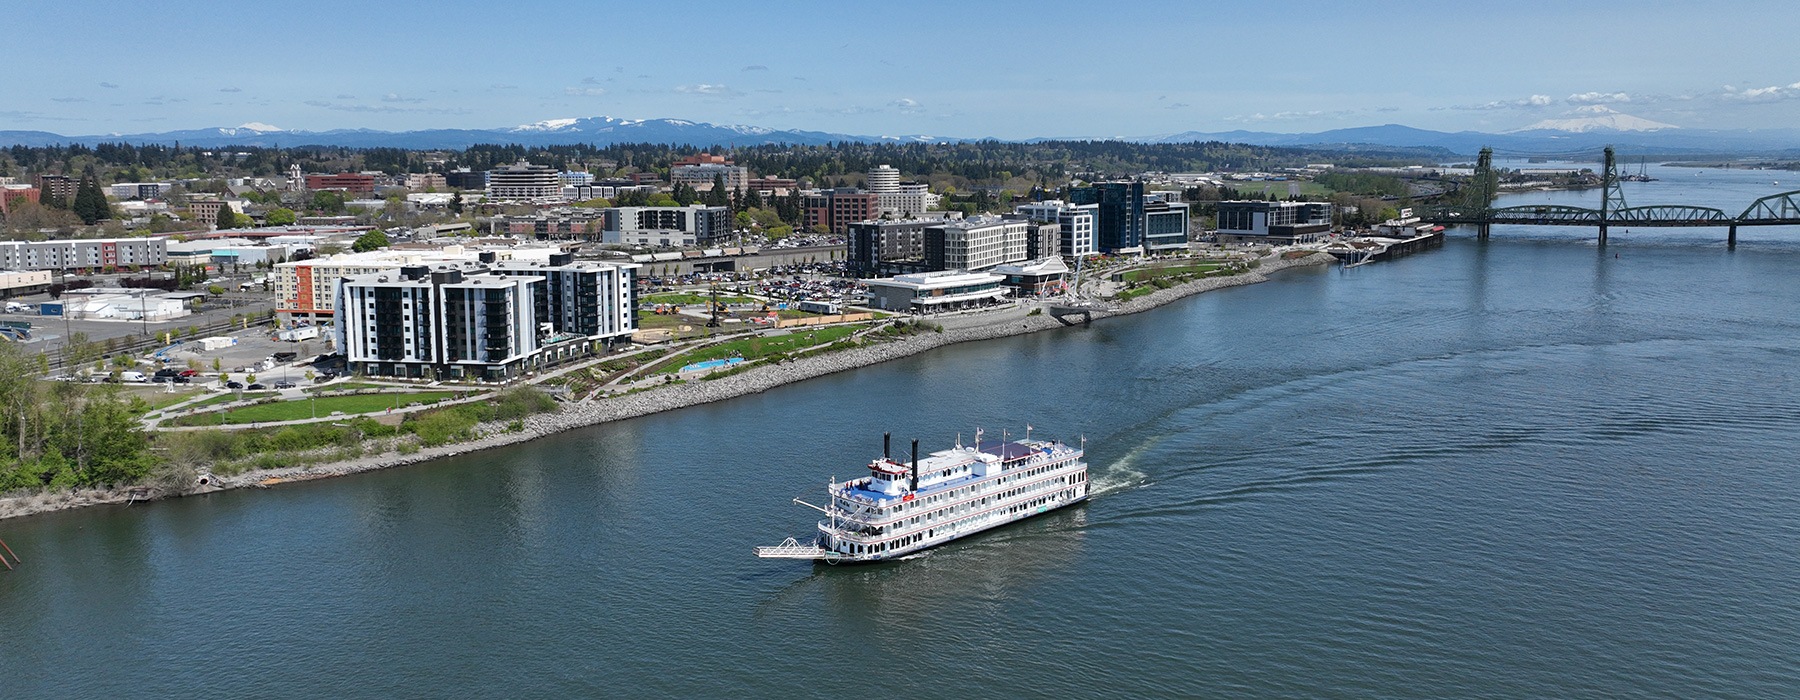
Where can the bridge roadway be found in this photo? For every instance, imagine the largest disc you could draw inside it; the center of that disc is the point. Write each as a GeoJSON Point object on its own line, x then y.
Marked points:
{"type": "Point", "coordinates": [1774, 210]}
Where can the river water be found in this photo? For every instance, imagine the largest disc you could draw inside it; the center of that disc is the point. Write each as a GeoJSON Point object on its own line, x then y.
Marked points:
{"type": "Point", "coordinates": [1526, 468]}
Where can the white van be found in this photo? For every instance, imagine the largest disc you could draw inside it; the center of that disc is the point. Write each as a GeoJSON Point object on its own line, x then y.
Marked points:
{"type": "Point", "coordinates": [131, 376]}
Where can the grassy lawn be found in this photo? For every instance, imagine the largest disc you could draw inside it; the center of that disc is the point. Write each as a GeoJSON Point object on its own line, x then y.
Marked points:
{"type": "Point", "coordinates": [758, 347]}
{"type": "Point", "coordinates": [157, 397]}
{"type": "Point", "coordinates": [1171, 271]}
{"type": "Point", "coordinates": [297, 409]}
{"type": "Point", "coordinates": [686, 299]}
{"type": "Point", "coordinates": [350, 386]}
{"type": "Point", "coordinates": [231, 396]}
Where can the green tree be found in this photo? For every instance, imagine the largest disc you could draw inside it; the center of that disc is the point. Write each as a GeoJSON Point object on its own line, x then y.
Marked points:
{"type": "Point", "coordinates": [215, 290]}
{"type": "Point", "coordinates": [90, 201]}
{"type": "Point", "coordinates": [226, 218]}
{"type": "Point", "coordinates": [372, 240]}
{"type": "Point", "coordinates": [280, 216]}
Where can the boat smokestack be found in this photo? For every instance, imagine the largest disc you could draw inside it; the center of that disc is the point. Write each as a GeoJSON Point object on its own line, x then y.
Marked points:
{"type": "Point", "coordinates": [885, 439]}
{"type": "Point", "coordinates": [915, 465]}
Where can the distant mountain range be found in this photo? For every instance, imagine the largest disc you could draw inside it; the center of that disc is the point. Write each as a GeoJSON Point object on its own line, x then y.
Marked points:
{"type": "Point", "coordinates": [1586, 130]}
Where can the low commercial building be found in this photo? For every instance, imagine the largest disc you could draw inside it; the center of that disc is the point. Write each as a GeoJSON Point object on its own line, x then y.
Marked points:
{"type": "Point", "coordinates": [23, 282]}
{"type": "Point", "coordinates": [1037, 277]}
{"type": "Point", "coordinates": [1273, 223]}
{"type": "Point", "coordinates": [931, 292]}
{"type": "Point", "coordinates": [651, 238]}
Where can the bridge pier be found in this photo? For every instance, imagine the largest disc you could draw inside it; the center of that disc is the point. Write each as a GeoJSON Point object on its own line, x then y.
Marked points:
{"type": "Point", "coordinates": [1481, 231]}
{"type": "Point", "coordinates": [1731, 237]}
{"type": "Point", "coordinates": [1602, 234]}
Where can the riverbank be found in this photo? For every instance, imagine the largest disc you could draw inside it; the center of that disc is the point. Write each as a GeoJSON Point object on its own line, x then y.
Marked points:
{"type": "Point", "coordinates": [957, 329]}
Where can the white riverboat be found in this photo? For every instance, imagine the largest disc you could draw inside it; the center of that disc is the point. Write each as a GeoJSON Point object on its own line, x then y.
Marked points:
{"type": "Point", "coordinates": [899, 509]}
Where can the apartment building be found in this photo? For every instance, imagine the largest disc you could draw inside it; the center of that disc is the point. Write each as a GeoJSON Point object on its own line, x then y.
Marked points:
{"type": "Point", "coordinates": [976, 243]}
{"type": "Point", "coordinates": [83, 255]}
{"type": "Point", "coordinates": [306, 290]}
{"type": "Point", "coordinates": [835, 209]}
{"type": "Point", "coordinates": [523, 182]}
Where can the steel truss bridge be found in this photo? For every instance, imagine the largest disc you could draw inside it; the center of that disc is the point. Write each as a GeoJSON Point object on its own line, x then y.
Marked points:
{"type": "Point", "coordinates": [1774, 210]}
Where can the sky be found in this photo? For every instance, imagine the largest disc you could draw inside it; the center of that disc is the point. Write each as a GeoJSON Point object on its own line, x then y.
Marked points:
{"type": "Point", "coordinates": [962, 69]}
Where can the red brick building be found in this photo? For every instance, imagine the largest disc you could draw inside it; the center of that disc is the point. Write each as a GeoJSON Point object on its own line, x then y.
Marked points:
{"type": "Point", "coordinates": [9, 194]}
{"type": "Point", "coordinates": [357, 183]}
{"type": "Point", "coordinates": [836, 209]}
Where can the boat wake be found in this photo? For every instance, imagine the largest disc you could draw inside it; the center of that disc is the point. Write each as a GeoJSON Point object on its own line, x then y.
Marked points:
{"type": "Point", "coordinates": [1122, 474]}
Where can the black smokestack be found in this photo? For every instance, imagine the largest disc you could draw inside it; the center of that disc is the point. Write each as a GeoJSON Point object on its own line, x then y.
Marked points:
{"type": "Point", "coordinates": [884, 444]}
{"type": "Point", "coordinates": [915, 469]}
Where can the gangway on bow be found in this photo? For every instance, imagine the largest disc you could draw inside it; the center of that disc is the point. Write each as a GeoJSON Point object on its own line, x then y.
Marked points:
{"type": "Point", "coordinates": [791, 548]}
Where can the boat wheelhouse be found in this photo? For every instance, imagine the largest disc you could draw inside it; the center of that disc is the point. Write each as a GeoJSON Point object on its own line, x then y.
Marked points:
{"type": "Point", "coordinates": [901, 508]}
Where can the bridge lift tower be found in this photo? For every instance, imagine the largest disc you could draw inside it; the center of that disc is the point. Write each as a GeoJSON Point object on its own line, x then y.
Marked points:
{"type": "Point", "coordinates": [1615, 194]}
{"type": "Point", "coordinates": [1486, 186]}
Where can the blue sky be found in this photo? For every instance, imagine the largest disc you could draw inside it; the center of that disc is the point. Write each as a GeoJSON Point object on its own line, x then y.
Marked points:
{"type": "Point", "coordinates": [1010, 70]}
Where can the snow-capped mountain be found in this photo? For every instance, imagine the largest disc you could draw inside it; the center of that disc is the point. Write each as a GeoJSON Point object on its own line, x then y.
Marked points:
{"type": "Point", "coordinates": [1594, 118]}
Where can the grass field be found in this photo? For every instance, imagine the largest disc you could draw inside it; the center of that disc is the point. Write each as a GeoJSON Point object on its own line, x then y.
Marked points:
{"type": "Point", "coordinates": [685, 299]}
{"type": "Point", "coordinates": [1171, 271]}
{"type": "Point", "coordinates": [758, 347]}
{"type": "Point", "coordinates": [158, 397]}
{"type": "Point", "coordinates": [231, 396]}
{"type": "Point", "coordinates": [298, 409]}
{"type": "Point", "coordinates": [347, 386]}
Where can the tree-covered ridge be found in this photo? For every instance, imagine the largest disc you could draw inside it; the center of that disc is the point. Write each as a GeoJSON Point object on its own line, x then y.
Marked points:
{"type": "Point", "coordinates": [976, 162]}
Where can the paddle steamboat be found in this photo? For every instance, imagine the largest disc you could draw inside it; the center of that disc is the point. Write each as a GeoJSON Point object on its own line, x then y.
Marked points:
{"type": "Point", "coordinates": [899, 509]}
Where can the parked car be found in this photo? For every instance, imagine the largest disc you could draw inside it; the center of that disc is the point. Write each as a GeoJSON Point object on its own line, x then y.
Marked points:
{"type": "Point", "coordinates": [166, 372]}
{"type": "Point", "coordinates": [131, 376]}
{"type": "Point", "coordinates": [188, 373]}
{"type": "Point", "coordinates": [284, 384]}
{"type": "Point", "coordinates": [234, 385]}
{"type": "Point", "coordinates": [256, 387]}
{"type": "Point", "coordinates": [182, 379]}
{"type": "Point", "coordinates": [161, 379]}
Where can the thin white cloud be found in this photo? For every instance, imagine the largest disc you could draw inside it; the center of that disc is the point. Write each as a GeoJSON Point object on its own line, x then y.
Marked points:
{"type": "Point", "coordinates": [1595, 98]}
{"type": "Point", "coordinates": [584, 92]}
{"type": "Point", "coordinates": [907, 105]}
{"type": "Point", "coordinates": [108, 86]}
{"type": "Point", "coordinates": [68, 99]}
{"type": "Point", "coordinates": [231, 89]}
{"type": "Point", "coordinates": [704, 89]}
{"type": "Point", "coordinates": [1772, 93]}
{"type": "Point", "coordinates": [392, 97]}
{"type": "Point", "coordinates": [1529, 102]}
{"type": "Point", "coordinates": [590, 80]}
{"type": "Point", "coordinates": [753, 68]}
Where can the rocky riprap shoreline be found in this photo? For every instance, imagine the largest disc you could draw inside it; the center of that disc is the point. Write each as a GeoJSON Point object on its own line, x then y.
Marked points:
{"type": "Point", "coordinates": [666, 398]}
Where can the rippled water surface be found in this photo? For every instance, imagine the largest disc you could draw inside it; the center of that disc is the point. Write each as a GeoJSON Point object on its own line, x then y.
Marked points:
{"type": "Point", "coordinates": [1531, 468]}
